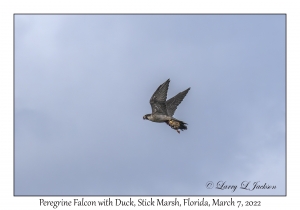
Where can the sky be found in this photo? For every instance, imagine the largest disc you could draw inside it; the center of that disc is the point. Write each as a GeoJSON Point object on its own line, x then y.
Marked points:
{"type": "Point", "coordinates": [82, 84]}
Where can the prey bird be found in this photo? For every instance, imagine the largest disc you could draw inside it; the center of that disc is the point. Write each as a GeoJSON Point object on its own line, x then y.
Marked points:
{"type": "Point", "coordinates": [163, 111]}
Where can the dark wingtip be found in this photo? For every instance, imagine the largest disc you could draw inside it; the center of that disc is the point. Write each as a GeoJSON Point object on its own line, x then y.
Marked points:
{"type": "Point", "coordinates": [187, 90]}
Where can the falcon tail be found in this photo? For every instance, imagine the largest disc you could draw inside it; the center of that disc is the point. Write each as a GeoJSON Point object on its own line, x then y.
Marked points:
{"type": "Point", "coordinates": [177, 124]}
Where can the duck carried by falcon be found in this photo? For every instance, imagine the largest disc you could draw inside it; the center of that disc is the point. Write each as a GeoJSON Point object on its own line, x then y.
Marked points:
{"type": "Point", "coordinates": [162, 110]}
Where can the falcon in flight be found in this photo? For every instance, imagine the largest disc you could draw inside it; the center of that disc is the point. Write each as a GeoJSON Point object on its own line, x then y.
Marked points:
{"type": "Point", "coordinates": [162, 110]}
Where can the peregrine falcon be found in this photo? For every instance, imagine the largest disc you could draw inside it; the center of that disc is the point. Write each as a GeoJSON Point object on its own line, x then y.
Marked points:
{"type": "Point", "coordinates": [162, 110]}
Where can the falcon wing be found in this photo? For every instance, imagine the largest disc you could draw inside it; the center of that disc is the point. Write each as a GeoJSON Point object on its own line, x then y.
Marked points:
{"type": "Point", "coordinates": [158, 99]}
{"type": "Point", "coordinates": [172, 103]}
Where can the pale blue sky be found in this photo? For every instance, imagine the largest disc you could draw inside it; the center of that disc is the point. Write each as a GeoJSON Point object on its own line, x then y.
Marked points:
{"type": "Point", "coordinates": [83, 84]}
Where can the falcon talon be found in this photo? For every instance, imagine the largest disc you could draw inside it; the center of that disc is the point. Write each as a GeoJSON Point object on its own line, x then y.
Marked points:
{"type": "Point", "coordinates": [163, 111]}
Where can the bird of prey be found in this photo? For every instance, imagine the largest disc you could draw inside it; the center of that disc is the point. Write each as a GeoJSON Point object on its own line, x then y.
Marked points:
{"type": "Point", "coordinates": [162, 110]}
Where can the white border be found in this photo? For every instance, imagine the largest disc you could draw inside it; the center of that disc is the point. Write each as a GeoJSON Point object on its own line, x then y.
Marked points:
{"type": "Point", "coordinates": [8, 8]}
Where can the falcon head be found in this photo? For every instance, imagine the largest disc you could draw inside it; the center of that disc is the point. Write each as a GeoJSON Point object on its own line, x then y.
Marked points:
{"type": "Point", "coordinates": [146, 116]}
